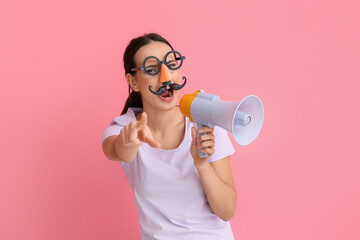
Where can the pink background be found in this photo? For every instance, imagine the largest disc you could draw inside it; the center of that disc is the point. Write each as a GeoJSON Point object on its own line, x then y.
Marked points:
{"type": "Point", "coordinates": [62, 82]}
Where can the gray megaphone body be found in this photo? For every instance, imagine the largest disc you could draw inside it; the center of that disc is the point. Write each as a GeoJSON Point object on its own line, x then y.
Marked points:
{"type": "Point", "coordinates": [242, 119]}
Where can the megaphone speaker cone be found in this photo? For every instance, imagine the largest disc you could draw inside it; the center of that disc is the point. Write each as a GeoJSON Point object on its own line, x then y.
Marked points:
{"type": "Point", "coordinates": [253, 106]}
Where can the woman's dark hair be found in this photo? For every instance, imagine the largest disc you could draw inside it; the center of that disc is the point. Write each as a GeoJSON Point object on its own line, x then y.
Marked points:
{"type": "Point", "coordinates": [134, 99]}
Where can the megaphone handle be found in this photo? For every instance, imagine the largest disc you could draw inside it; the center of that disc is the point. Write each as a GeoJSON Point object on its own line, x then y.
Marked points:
{"type": "Point", "coordinates": [201, 154]}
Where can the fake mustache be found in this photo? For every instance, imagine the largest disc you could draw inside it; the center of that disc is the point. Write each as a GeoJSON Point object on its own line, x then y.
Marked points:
{"type": "Point", "coordinates": [172, 86]}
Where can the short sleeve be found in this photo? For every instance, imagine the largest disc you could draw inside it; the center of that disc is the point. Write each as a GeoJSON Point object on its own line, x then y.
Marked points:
{"type": "Point", "coordinates": [118, 123]}
{"type": "Point", "coordinates": [113, 129]}
{"type": "Point", "coordinates": [223, 146]}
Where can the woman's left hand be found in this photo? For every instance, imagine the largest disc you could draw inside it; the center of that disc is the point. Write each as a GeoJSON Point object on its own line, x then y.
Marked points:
{"type": "Point", "coordinates": [207, 142]}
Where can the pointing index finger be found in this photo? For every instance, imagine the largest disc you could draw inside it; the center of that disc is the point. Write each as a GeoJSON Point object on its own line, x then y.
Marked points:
{"type": "Point", "coordinates": [143, 119]}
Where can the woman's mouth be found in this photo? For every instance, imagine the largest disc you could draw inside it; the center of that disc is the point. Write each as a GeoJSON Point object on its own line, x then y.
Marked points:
{"type": "Point", "coordinates": [167, 96]}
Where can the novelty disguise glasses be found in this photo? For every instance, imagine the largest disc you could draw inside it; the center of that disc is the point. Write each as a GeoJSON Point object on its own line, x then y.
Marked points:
{"type": "Point", "coordinates": [152, 66]}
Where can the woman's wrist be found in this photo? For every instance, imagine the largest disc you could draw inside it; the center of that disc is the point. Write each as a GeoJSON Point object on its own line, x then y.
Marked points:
{"type": "Point", "coordinates": [204, 166]}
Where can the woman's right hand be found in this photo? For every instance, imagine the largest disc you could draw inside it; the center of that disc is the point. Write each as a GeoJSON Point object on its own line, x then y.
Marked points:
{"type": "Point", "coordinates": [137, 132]}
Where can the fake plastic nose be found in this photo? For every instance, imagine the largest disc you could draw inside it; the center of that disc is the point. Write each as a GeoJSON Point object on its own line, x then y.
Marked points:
{"type": "Point", "coordinates": [165, 75]}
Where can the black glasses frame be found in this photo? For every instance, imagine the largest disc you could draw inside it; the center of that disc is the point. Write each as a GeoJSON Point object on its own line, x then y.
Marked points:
{"type": "Point", "coordinates": [142, 68]}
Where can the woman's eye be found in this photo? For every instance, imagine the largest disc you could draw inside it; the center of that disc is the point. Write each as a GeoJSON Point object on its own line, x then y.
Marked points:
{"type": "Point", "coordinates": [171, 65]}
{"type": "Point", "coordinates": [151, 70]}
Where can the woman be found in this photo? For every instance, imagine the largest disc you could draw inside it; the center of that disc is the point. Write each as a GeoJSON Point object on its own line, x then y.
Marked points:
{"type": "Point", "coordinates": [178, 195]}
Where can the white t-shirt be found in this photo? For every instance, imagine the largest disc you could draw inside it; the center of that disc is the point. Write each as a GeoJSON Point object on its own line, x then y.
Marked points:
{"type": "Point", "coordinates": [169, 197]}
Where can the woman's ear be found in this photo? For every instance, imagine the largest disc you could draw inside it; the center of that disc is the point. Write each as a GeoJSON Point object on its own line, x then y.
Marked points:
{"type": "Point", "coordinates": [132, 82]}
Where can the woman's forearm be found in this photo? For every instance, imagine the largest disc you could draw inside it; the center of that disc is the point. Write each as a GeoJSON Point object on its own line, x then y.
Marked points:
{"type": "Point", "coordinates": [221, 196]}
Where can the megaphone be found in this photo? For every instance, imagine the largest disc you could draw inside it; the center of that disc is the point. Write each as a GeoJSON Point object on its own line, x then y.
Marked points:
{"type": "Point", "coordinates": [242, 119]}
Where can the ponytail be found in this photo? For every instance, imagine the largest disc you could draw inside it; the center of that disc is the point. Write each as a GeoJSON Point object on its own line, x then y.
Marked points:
{"type": "Point", "coordinates": [134, 100]}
